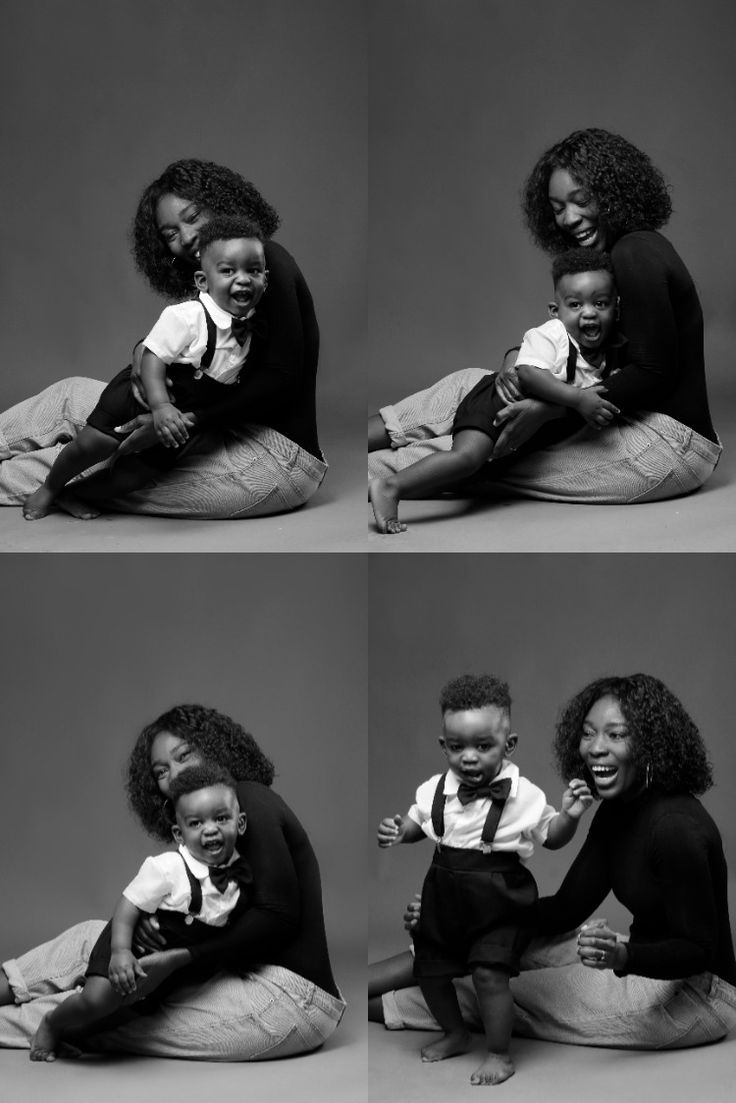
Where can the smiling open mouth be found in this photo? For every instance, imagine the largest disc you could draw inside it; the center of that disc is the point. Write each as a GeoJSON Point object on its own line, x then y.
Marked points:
{"type": "Point", "coordinates": [603, 774]}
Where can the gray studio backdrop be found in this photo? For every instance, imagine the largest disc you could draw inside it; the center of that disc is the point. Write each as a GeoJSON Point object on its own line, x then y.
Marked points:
{"type": "Point", "coordinates": [94, 648]}
{"type": "Point", "coordinates": [548, 625]}
{"type": "Point", "coordinates": [465, 96]}
{"type": "Point", "coordinates": [99, 98]}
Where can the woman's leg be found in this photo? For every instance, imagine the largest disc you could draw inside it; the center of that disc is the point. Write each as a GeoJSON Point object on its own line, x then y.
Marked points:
{"type": "Point", "coordinates": [269, 1013]}
{"type": "Point", "coordinates": [33, 432]}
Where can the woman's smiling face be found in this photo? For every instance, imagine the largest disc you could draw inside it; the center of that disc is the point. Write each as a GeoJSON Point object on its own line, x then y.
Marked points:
{"type": "Point", "coordinates": [605, 748]}
{"type": "Point", "coordinates": [575, 211]}
{"type": "Point", "coordinates": [170, 754]}
{"type": "Point", "coordinates": [179, 222]}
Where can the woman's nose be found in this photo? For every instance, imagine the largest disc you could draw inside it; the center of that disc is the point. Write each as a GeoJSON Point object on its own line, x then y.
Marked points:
{"type": "Point", "coordinates": [570, 216]}
{"type": "Point", "coordinates": [189, 238]}
{"type": "Point", "coordinates": [598, 744]}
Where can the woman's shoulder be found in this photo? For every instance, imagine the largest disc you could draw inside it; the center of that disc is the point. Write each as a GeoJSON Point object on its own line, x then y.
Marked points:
{"type": "Point", "coordinates": [641, 245]}
{"type": "Point", "coordinates": [278, 258]}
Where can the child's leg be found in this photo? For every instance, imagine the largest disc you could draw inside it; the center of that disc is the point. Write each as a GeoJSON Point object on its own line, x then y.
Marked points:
{"type": "Point", "coordinates": [442, 1001]}
{"type": "Point", "coordinates": [89, 447]}
{"type": "Point", "coordinates": [497, 1012]}
{"type": "Point", "coordinates": [75, 1015]}
{"type": "Point", "coordinates": [125, 476]}
{"type": "Point", "coordinates": [470, 450]}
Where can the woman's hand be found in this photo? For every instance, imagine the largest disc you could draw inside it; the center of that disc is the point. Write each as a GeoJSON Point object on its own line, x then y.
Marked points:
{"type": "Point", "coordinates": [147, 937]}
{"type": "Point", "coordinates": [599, 948]}
{"type": "Point", "coordinates": [412, 913]}
{"type": "Point", "coordinates": [142, 434]}
{"type": "Point", "coordinates": [157, 967]}
{"type": "Point", "coordinates": [520, 421]}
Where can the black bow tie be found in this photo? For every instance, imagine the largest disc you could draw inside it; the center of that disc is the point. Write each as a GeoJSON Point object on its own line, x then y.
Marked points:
{"type": "Point", "coordinates": [238, 871]}
{"type": "Point", "coordinates": [242, 329]}
{"type": "Point", "coordinates": [496, 790]}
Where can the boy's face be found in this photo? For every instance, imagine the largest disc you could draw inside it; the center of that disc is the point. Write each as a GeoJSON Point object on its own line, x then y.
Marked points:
{"type": "Point", "coordinates": [208, 823]}
{"type": "Point", "coordinates": [234, 274]}
{"type": "Point", "coordinates": [585, 303]}
{"type": "Point", "coordinates": [475, 742]}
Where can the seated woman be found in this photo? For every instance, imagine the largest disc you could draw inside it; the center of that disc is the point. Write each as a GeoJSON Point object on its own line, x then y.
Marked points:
{"type": "Point", "coordinates": [595, 190]}
{"type": "Point", "coordinates": [270, 992]}
{"type": "Point", "coordinates": [261, 454]}
{"type": "Point", "coordinates": [670, 982]}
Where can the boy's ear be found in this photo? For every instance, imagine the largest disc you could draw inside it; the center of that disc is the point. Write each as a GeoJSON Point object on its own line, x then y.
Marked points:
{"type": "Point", "coordinates": [511, 743]}
{"type": "Point", "coordinates": [200, 280]}
{"type": "Point", "coordinates": [552, 309]}
{"type": "Point", "coordinates": [176, 832]}
{"type": "Point", "coordinates": [265, 279]}
{"type": "Point", "coordinates": [242, 822]}
{"type": "Point", "coordinates": [442, 743]}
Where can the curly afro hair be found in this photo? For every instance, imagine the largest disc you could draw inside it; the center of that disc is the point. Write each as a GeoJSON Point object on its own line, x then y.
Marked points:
{"type": "Point", "coordinates": [574, 261]}
{"type": "Point", "coordinates": [225, 228]}
{"type": "Point", "coordinates": [219, 190]}
{"type": "Point", "coordinates": [631, 194]}
{"type": "Point", "coordinates": [472, 691]}
{"type": "Point", "coordinates": [218, 739]}
{"type": "Point", "coordinates": [205, 776]}
{"type": "Point", "coordinates": [662, 735]}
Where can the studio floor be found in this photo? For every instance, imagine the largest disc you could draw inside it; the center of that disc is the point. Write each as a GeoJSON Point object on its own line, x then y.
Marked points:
{"type": "Point", "coordinates": [332, 521]}
{"type": "Point", "coordinates": [702, 522]}
{"type": "Point", "coordinates": [337, 1071]}
{"type": "Point", "coordinates": [548, 1072]}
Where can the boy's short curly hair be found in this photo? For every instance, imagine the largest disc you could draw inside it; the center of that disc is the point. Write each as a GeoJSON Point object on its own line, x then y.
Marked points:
{"type": "Point", "coordinates": [474, 691]}
{"type": "Point", "coordinates": [218, 739]}
{"type": "Point", "coordinates": [208, 775]}
{"type": "Point", "coordinates": [219, 190]}
{"type": "Point", "coordinates": [574, 261]}
{"type": "Point", "coordinates": [662, 735]}
{"type": "Point", "coordinates": [630, 192]}
{"type": "Point", "coordinates": [226, 228]}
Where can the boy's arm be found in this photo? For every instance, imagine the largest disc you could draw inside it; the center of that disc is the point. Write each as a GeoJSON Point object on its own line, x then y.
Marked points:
{"type": "Point", "coordinates": [398, 829]}
{"type": "Point", "coordinates": [576, 798]}
{"type": "Point", "coordinates": [124, 966]}
{"type": "Point", "coordinates": [586, 401]}
{"type": "Point", "coordinates": [169, 423]}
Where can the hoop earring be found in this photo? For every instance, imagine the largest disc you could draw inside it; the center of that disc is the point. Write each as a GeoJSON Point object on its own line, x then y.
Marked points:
{"type": "Point", "coordinates": [168, 811]}
{"type": "Point", "coordinates": [648, 776]}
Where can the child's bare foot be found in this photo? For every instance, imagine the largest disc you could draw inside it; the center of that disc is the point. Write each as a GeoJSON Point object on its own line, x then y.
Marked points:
{"type": "Point", "coordinates": [44, 1042]}
{"type": "Point", "coordinates": [496, 1068]}
{"type": "Point", "coordinates": [83, 511]}
{"type": "Point", "coordinates": [451, 1044]}
{"type": "Point", "coordinates": [385, 502]}
{"type": "Point", "coordinates": [38, 504]}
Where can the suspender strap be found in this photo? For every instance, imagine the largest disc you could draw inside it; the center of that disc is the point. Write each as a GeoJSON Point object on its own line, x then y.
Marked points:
{"type": "Point", "coordinates": [438, 808]}
{"type": "Point", "coordinates": [494, 815]}
{"type": "Point", "coordinates": [209, 352]}
{"type": "Point", "coordinates": [572, 360]}
{"type": "Point", "coordinates": [195, 904]}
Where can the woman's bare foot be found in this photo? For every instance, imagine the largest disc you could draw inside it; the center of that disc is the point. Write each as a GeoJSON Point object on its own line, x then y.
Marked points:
{"type": "Point", "coordinates": [496, 1068]}
{"type": "Point", "coordinates": [451, 1044]}
{"type": "Point", "coordinates": [83, 511]}
{"type": "Point", "coordinates": [44, 1042]}
{"type": "Point", "coordinates": [385, 502]}
{"type": "Point", "coordinates": [38, 504]}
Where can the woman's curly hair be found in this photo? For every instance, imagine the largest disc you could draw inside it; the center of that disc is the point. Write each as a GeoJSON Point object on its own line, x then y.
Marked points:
{"type": "Point", "coordinates": [631, 194]}
{"type": "Point", "coordinates": [474, 691]}
{"type": "Point", "coordinates": [218, 738]}
{"type": "Point", "coordinates": [218, 189]}
{"type": "Point", "coordinates": [662, 735]}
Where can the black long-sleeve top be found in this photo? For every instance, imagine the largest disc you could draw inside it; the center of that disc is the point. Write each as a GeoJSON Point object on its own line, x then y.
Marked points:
{"type": "Point", "coordinates": [283, 923]}
{"type": "Point", "coordinates": [662, 857]}
{"type": "Point", "coordinates": [278, 382]}
{"type": "Point", "coordinates": [662, 319]}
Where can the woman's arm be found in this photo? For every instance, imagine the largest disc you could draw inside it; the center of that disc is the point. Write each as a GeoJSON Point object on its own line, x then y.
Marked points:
{"type": "Point", "coordinates": [585, 887]}
{"type": "Point", "coordinates": [649, 323]}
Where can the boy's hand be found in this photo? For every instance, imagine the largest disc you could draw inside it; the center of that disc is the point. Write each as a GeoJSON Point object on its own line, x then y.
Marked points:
{"type": "Point", "coordinates": [576, 798]}
{"type": "Point", "coordinates": [596, 410]}
{"type": "Point", "coordinates": [123, 971]}
{"type": "Point", "coordinates": [391, 830]}
{"type": "Point", "coordinates": [170, 426]}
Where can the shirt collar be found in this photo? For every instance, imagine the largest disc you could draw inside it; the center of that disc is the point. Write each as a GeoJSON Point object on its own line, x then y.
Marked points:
{"type": "Point", "coordinates": [200, 869]}
{"type": "Point", "coordinates": [220, 317]}
{"type": "Point", "coordinates": [508, 769]}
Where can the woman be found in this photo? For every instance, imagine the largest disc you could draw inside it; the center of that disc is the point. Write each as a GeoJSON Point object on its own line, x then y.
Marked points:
{"type": "Point", "coordinates": [670, 983]}
{"type": "Point", "coordinates": [271, 992]}
{"type": "Point", "coordinates": [260, 456]}
{"type": "Point", "coordinates": [595, 190]}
